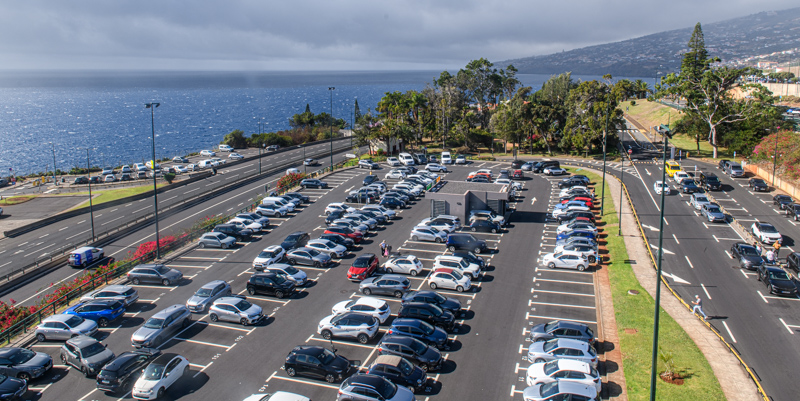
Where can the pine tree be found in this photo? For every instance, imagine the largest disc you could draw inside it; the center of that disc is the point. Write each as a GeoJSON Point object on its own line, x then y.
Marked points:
{"type": "Point", "coordinates": [308, 109]}
{"type": "Point", "coordinates": [356, 112]}
{"type": "Point", "coordinates": [696, 60]}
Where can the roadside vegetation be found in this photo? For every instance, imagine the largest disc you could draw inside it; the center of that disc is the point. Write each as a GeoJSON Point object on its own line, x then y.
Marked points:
{"type": "Point", "coordinates": [100, 197]}
{"type": "Point", "coordinates": [16, 200]}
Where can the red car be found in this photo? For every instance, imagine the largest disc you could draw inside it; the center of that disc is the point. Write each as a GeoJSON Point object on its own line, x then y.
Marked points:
{"type": "Point", "coordinates": [363, 267]}
{"type": "Point", "coordinates": [588, 201]}
{"type": "Point", "coordinates": [346, 232]}
{"type": "Point", "coordinates": [518, 175]}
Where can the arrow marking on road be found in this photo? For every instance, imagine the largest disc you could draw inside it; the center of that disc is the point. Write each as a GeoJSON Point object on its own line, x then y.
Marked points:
{"type": "Point", "coordinates": [675, 278]}
{"type": "Point", "coordinates": [647, 171]}
{"type": "Point", "coordinates": [667, 252]}
{"type": "Point", "coordinates": [533, 200]}
{"type": "Point", "coordinates": [651, 228]}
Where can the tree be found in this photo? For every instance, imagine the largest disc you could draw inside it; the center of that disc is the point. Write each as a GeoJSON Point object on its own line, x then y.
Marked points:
{"type": "Point", "coordinates": [695, 62]}
{"type": "Point", "coordinates": [235, 139]}
{"type": "Point", "coordinates": [588, 106]}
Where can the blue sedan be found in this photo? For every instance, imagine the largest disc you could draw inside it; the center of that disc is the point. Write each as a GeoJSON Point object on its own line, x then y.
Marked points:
{"type": "Point", "coordinates": [420, 330]}
{"type": "Point", "coordinates": [102, 311]}
{"type": "Point", "coordinates": [576, 233]}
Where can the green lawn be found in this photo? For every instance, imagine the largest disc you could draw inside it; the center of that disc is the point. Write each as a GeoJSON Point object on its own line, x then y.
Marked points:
{"type": "Point", "coordinates": [111, 194]}
{"type": "Point", "coordinates": [634, 315]}
{"type": "Point", "coordinates": [15, 200]}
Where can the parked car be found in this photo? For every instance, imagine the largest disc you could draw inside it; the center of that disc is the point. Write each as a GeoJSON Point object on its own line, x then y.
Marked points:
{"type": "Point", "coordinates": [126, 294]}
{"type": "Point", "coordinates": [23, 364]}
{"type": "Point", "coordinates": [486, 215]}
{"type": "Point", "coordinates": [564, 370]}
{"type": "Point", "coordinates": [154, 274]}
{"type": "Point", "coordinates": [486, 226]}
{"type": "Point", "coordinates": [562, 329]}
{"type": "Point", "coordinates": [64, 327]}
{"type": "Point", "coordinates": [432, 297]}
{"type": "Point", "coordinates": [689, 187]}
{"type": "Point", "coordinates": [393, 162]}
{"type": "Point", "coordinates": [345, 232]}
{"type": "Point", "coordinates": [406, 264]}
{"type": "Point", "coordinates": [776, 280]}
{"type": "Point", "coordinates": [297, 239]}
{"type": "Point", "coordinates": [461, 159]}
{"type": "Point", "coordinates": [117, 375]}
{"type": "Point", "coordinates": [85, 354]}
{"type": "Point", "coordinates": [471, 270]}
{"type": "Point", "coordinates": [255, 218]}
{"type": "Point", "coordinates": [554, 171]}
{"type": "Point", "coordinates": [747, 255]}
{"type": "Point", "coordinates": [162, 326]}
{"type": "Point", "coordinates": [338, 207]}
{"type": "Point", "coordinates": [712, 212]}
{"type": "Point", "coordinates": [216, 240]}
{"type": "Point", "coordinates": [562, 348]}
{"type": "Point", "coordinates": [375, 307]}
{"type": "Point", "coordinates": [427, 358]}
{"type": "Point", "coordinates": [289, 272]}
{"type": "Point", "coordinates": [339, 240]}
{"type": "Point", "coordinates": [397, 370]}
{"type": "Point", "coordinates": [318, 362]}
{"type": "Point", "coordinates": [270, 284]}
{"type": "Point", "coordinates": [419, 329]}
{"type": "Point", "coordinates": [363, 266]}
{"type": "Point", "coordinates": [560, 390]}
{"type": "Point", "coordinates": [313, 183]}
{"type": "Point", "coordinates": [391, 203]}
{"type": "Point", "coordinates": [235, 309]}
{"type": "Point", "coordinates": [269, 255]}
{"type": "Point", "coordinates": [782, 201]}
{"type": "Point", "coordinates": [241, 234]}
{"type": "Point", "coordinates": [368, 164]}
{"type": "Point", "coordinates": [758, 185]}
{"type": "Point", "coordinates": [793, 261]}
{"type": "Point", "coordinates": [697, 200]}
{"type": "Point", "coordinates": [297, 195]}
{"type": "Point", "coordinates": [271, 210]}
{"type": "Point", "coordinates": [424, 233]}
{"type": "Point", "coordinates": [350, 325]}
{"type": "Point", "coordinates": [765, 232]}
{"type": "Point", "coordinates": [566, 260]}
{"type": "Point", "coordinates": [449, 279]}
{"type": "Point", "coordinates": [102, 311]}
{"type": "Point", "coordinates": [429, 313]}
{"type": "Point", "coordinates": [436, 167]}
{"type": "Point", "coordinates": [308, 257]}
{"type": "Point", "coordinates": [163, 372]}
{"type": "Point", "coordinates": [327, 246]}
{"type": "Point", "coordinates": [387, 284]}
{"type": "Point", "coordinates": [467, 242]}
{"type": "Point", "coordinates": [205, 296]}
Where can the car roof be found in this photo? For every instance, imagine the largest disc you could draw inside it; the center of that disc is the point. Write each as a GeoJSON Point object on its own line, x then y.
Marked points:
{"type": "Point", "coordinates": [572, 364]}
{"type": "Point", "coordinates": [213, 284]}
{"type": "Point", "coordinates": [168, 310]}
{"type": "Point", "coordinates": [82, 341]}
{"type": "Point", "coordinates": [358, 316]}
{"type": "Point", "coordinates": [307, 350]}
{"type": "Point", "coordinates": [366, 255]}
{"type": "Point", "coordinates": [229, 300]}
{"type": "Point", "coordinates": [273, 248]}
{"type": "Point", "coordinates": [392, 360]}
{"type": "Point", "coordinates": [571, 343]}
{"type": "Point", "coordinates": [443, 270]}
{"type": "Point", "coordinates": [570, 325]}
{"type": "Point", "coordinates": [373, 381]}
{"type": "Point", "coordinates": [374, 302]}
{"type": "Point", "coordinates": [163, 359]}
{"type": "Point", "coordinates": [104, 302]}
{"type": "Point", "coordinates": [57, 318]}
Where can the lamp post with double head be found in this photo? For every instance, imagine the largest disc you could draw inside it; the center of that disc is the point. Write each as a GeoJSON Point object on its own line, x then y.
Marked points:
{"type": "Point", "coordinates": [152, 107]}
{"type": "Point", "coordinates": [89, 176]}
{"type": "Point", "coordinates": [54, 164]}
{"type": "Point", "coordinates": [330, 89]}
{"type": "Point", "coordinates": [775, 156]}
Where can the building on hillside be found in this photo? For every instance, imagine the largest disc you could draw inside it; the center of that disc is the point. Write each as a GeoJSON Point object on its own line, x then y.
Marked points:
{"type": "Point", "coordinates": [395, 145]}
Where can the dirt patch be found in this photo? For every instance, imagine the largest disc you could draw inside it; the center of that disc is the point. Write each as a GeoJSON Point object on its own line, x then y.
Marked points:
{"type": "Point", "coordinates": [631, 331]}
{"type": "Point", "coordinates": [673, 378]}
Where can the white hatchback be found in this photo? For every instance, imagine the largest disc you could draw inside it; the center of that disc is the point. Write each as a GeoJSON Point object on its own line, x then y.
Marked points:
{"type": "Point", "coordinates": [269, 255]}
{"type": "Point", "coordinates": [374, 307]}
{"type": "Point", "coordinates": [159, 375]}
{"type": "Point", "coordinates": [406, 264]}
{"type": "Point", "coordinates": [658, 186]}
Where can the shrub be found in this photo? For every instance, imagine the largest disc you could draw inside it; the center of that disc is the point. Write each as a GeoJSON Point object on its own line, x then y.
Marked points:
{"type": "Point", "coordinates": [169, 177]}
{"type": "Point", "coordinates": [288, 181]}
{"type": "Point", "coordinates": [633, 103]}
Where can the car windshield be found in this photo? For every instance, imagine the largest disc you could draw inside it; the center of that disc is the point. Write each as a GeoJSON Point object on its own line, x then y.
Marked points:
{"type": "Point", "coordinates": [549, 389]}
{"type": "Point", "coordinates": [361, 262]}
{"type": "Point", "coordinates": [548, 327]}
{"type": "Point", "coordinates": [779, 276]}
{"type": "Point", "coordinates": [161, 269]}
{"type": "Point", "coordinates": [153, 372]}
{"type": "Point", "coordinates": [290, 270]}
{"type": "Point", "coordinates": [204, 292]}
{"type": "Point", "coordinates": [326, 357]}
{"type": "Point", "coordinates": [267, 254]}
{"type": "Point", "coordinates": [278, 279]}
{"type": "Point", "coordinates": [701, 199]}
{"type": "Point", "coordinates": [21, 356]}
{"type": "Point", "coordinates": [713, 209]}
{"type": "Point", "coordinates": [426, 328]}
{"type": "Point", "coordinates": [550, 345]}
{"type": "Point", "coordinates": [749, 251]}
{"type": "Point", "coordinates": [74, 321]}
{"type": "Point", "coordinates": [387, 389]}
{"type": "Point", "coordinates": [243, 305]}
{"type": "Point", "coordinates": [154, 323]}
{"type": "Point", "coordinates": [417, 346]}
{"type": "Point", "coordinates": [293, 237]}
{"type": "Point", "coordinates": [551, 367]}
{"type": "Point", "coordinates": [313, 252]}
{"type": "Point", "coordinates": [768, 228]}
{"type": "Point", "coordinates": [92, 350]}
{"type": "Point", "coordinates": [439, 297]}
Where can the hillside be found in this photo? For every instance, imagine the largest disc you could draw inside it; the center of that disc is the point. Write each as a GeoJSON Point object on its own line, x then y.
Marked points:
{"type": "Point", "coordinates": [733, 39]}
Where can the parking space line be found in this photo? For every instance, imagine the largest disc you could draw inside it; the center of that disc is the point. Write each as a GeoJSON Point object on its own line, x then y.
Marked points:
{"type": "Point", "coordinates": [565, 305]}
{"type": "Point", "coordinates": [212, 250]}
{"type": "Point", "coordinates": [562, 292]}
{"type": "Point", "coordinates": [788, 327]}
{"type": "Point", "coordinates": [228, 327]}
{"type": "Point", "coordinates": [762, 296]}
{"type": "Point", "coordinates": [160, 287]}
{"type": "Point", "coordinates": [200, 257]}
{"type": "Point", "coordinates": [203, 343]}
{"type": "Point", "coordinates": [291, 379]}
{"type": "Point", "coordinates": [280, 301]}
{"type": "Point", "coordinates": [341, 342]}
{"type": "Point", "coordinates": [529, 316]}
{"type": "Point", "coordinates": [535, 279]}
{"type": "Point", "coordinates": [190, 266]}
{"type": "Point", "coordinates": [781, 298]}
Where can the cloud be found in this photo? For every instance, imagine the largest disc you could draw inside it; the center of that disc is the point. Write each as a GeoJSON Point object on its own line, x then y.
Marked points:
{"type": "Point", "coordinates": [327, 35]}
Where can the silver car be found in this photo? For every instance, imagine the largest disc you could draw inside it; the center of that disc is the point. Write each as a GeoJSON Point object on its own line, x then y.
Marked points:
{"type": "Point", "coordinates": [289, 272]}
{"type": "Point", "coordinates": [327, 246]}
{"type": "Point", "coordinates": [370, 222]}
{"type": "Point", "coordinates": [566, 260]}
{"type": "Point", "coordinates": [439, 224]}
{"type": "Point", "coordinates": [308, 256]}
{"type": "Point", "coordinates": [123, 293]}
{"type": "Point", "coordinates": [349, 324]}
{"type": "Point", "coordinates": [216, 240]}
{"type": "Point", "coordinates": [235, 309]}
{"type": "Point", "coordinates": [387, 284]}
{"type": "Point", "coordinates": [86, 354]}
{"type": "Point", "coordinates": [154, 274]}
{"type": "Point", "coordinates": [162, 326]}
{"type": "Point", "coordinates": [423, 233]}
{"type": "Point", "coordinates": [207, 294]}
{"type": "Point", "coordinates": [64, 327]}
{"type": "Point", "coordinates": [698, 200]}
{"type": "Point", "coordinates": [263, 220]}
{"type": "Point", "coordinates": [558, 348]}
{"type": "Point", "coordinates": [351, 223]}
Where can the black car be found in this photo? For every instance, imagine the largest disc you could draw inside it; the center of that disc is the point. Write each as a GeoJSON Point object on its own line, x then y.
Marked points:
{"type": "Point", "coordinates": [96, 180]}
{"type": "Point", "coordinates": [391, 203]}
{"type": "Point", "coordinates": [793, 261]}
{"type": "Point", "coordinates": [569, 216]}
{"type": "Point", "coordinates": [758, 185]}
{"type": "Point", "coordinates": [123, 370]}
{"type": "Point", "coordinates": [360, 197]}
{"type": "Point", "coordinates": [793, 211]}
{"type": "Point", "coordinates": [338, 239]}
{"type": "Point", "coordinates": [689, 187]}
{"type": "Point", "coordinates": [517, 164]}
{"type": "Point", "coordinates": [486, 226]}
{"type": "Point", "coordinates": [294, 240]}
{"type": "Point", "coordinates": [369, 180]}
{"type": "Point", "coordinates": [318, 362]}
{"type": "Point", "coordinates": [471, 258]}
{"type": "Point", "coordinates": [81, 180]}
{"type": "Point", "coordinates": [429, 313]}
{"type": "Point", "coordinates": [465, 242]}
{"type": "Point", "coordinates": [335, 215]}
{"type": "Point", "coordinates": [710, 181]}
{"type": "Point", "coordinates": [245, 234]}
{"type": "Point", "coordinates": [397, 370]}
{"type": "Point", "coordinates": [748, 256]}
{"type": "Point", "coordinates": [427, 358]}
{"type": "Point", "coordinates": [298, 195]}
{"type": "Point", "coordinates": [571, 182]}
{"type": "Point", "coordinates": [11, 388]}
{"type": "Point", "coordinates": [379, 217]}
{"type": "Point", "coordinates": [540, 166]}
{"type": "Point", "coordinates": [420, 330]}
{"type": "Point", "coordinates": [313, 183]}
{"type": "Point", "coordinates": [270, 284]}
{"type": "Point", "coordinates": [778, 282]}
{"type": "Point", "coordinates": [398, 195]}
{"type": "Point", "coordinates": [782, 201]}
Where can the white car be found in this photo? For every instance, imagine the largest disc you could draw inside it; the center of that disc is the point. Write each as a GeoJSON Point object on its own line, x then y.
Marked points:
{"type": "Point", "coordinates": [395, 174]}
{"type": "Point", "coordinates": [225, 148]}
{"type": "Point", "coordinates": [438, 224]}
{"type": "Point", "coordinates": [554, 171]}
{"type": "Point", "coordinates": [235, 156]}
{"type": "Point", "coordinates": [208, 153]}
{"type": "Point", "coordinates": [291, 273]}
{"type": "Point", "coordinates": [406, 264]}
{"type": "Point", "coordinates": [264, 221]}
{"type": "Point", "coordinates": [578, 225]}
{"type": "Point", "coordinates": [269, 255]}
{"type": "Point", "coordinates": [159, 375]}
{"type": "Point", "coordinates": [471, 270]}
{"type": "Point", "coordinates": [428, 234]}
{"type": "Point", "coordinates": [436, 167]}
{"type": "Point", "coordinates": [327, 246]}
{"type": "Point", "coordinates": [566, 260]}
{"type": "Point", "coordinates": [292, 171]}
{"type": "Point", "coordinates": [375, 307]}
{"type": "Point", "coordinates": [277, 396]}
{"type": "Point", "coordinates": [449, 279]}
{"type": "Point", "coordinates": [338, 207]}
{"type": "Point", "coordinates": [765, 232]}
{"type": "Point", "coordinates": [563, 370]}
{"type": "Point", "coordinates": [425, 180]}
{"type": "Point", "coordinates": [181, 169]}
{"type": "Point", "coordinates": [679, 176]}
{"type": "Point", "coordinates": [460, 159]}
{"type": "Point", "coordinates": [272, 210]}
{"type": "Point", "coordinates": [256, 227]}
{"type": "Point", "coordinates": [569, 209]}
{"type": "Point", "coordinates": [393, 162]}
{"type": "Point", "coordinates": [658, 186]}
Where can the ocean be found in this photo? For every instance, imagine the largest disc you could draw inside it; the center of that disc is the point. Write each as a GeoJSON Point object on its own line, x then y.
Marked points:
{"type": "Point", "coordinates": [47, 115]}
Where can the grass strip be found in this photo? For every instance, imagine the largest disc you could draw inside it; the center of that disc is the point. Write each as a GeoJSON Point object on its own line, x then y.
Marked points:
{"type": "Point", "coordinates": [16, 200]}
{"type": "Point", "coordinates": [100, 197]}
{"type": "Point", "coordinates": [634, 315]}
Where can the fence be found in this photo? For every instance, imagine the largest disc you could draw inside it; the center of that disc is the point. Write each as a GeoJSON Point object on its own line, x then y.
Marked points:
{"type": "Point", "coordinates": [785, 185]}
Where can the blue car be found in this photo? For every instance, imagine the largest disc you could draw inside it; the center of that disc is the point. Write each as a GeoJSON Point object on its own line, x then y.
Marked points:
{"type": "Point", "coordinates": [102, 311]}
{"type": "Point", "coordinates": [420, 330]}
{"type": "Point", "coordinates": [576, 233]}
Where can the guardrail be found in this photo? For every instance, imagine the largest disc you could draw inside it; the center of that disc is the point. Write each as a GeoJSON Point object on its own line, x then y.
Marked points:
{"type": "Point", "coordinates": [730, 347]}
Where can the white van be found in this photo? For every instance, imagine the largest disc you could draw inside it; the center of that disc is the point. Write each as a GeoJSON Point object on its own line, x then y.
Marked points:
{"type": "Point", "coordinates": [446, 158]}
{"type": "Point", "coordinates": [406, 159]}
{"type": "Point", "coordinates": [225, 148]}
{"type": "Point", "coordinates": [274, 200]}
{"type": "Point", "coordinates": [204, 164]}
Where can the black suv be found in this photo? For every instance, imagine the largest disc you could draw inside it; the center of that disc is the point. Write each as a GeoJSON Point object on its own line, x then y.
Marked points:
{"type": "Point", "coordinates": [297, 239]}
{"type": "Point", "coordinates": [230, 229]}
{"type": "Point", "coordinates": [782, 201]}
{"type": "Point", "coordinates": [429, 313]}
{"type": "Point", "coordinates": [270, 284]}
{"type": "Point", "coordinates": [710, 181]}
{"type": "Point", "coordinates": [398, 370]}
{"type": "Point", "coordinates": [426, 357]}
{"type": "Point", "coordinates": [466, 242]}
{"type": "Point", "coordinates": [517, 164]}
{"type": "Point", "coordinates": [793, 261]}
{"type": "Point", "coordinates": [318, 362]}
{"type": "Point", "coordinates": [793, 211]}
{"type": "Point", "coordinates": [777, 280]}
{"type": "Point", "coordinates": [540, 166]}
{"type": "Point", "coordinates": [370, 179]}
{"type": "Point", "coordinates": [124, 369]}
{"type": "Point", "coordinates": [298, 195]}
{"type": "Point", "coordinates": [81, 180]}
{"type": "Point", "coordinates": [571, 182]}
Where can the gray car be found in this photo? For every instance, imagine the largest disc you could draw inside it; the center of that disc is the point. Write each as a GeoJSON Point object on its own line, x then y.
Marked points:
{"type": "Point", "coordinates": [308, 256]}
{"type": "Point", "coordinates": [154, 274]}
{"type": "Point", "coordinates": [235, 309]}
{"type": "Point", "coordinates": [216, 240]}
{"type": "Point", "coordinates": [351, 223]}
{"type": "Point", "coordinates": [23, 363]}
{"type": "Point", "coordinates": [370, 222]}
{"type": "Point", "coordinates": [64, 327]}
{"type": "Point", "coordinates": [388, 284]}
{"type": "Point", "coordinates": [207, 294]}
{"type": "Point", "coordinates": [367, 387]}
{"type": "Point", "coordinates": [424, 233]}
{"type": "Point", "coordinates": [698, 200]}
{"type": "Point", "coordinates": [162, 326]}
{"type": "Point", "coordinates": [85, 354]}
{"type": "Point", "coordinates": [712, 212]}
{"type": "Point", "coordinates": [123, 293]}
{"type": "Point", "coordinates": [562, 329]}
{"type": "Point", "coordinates": [327, 246]}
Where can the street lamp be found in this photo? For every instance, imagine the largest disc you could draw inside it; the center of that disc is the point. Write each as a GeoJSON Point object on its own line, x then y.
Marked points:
{"type": "Point", "coordinates": [54, 164]}
{"type": "Point", "coordinates": [622, 154]}
{"type": "Point", "coordinates": [152, 107]}
{"type": "Point", "coordinates": [330, 89]}
{"type": "Point", "coordinates": [654, 365]}
{"type": "Point", "coordinates": [259, 146]}
{"type": "Point", "coordinates": [605, 135]}
{"type": "Point", "coordinates": [775, 156]}
{"type": "Point", "coordinates": [89, 176]}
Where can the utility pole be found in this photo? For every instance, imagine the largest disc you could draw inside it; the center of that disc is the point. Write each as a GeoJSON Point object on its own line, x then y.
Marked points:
{"type": "Point", "coordinates": [330, 89]}
{"type": "Point", "coordinates": [654, 364]}
{"type": "Point", "coordinates": [152, 107]}
{"type": "Point", "coordinates": [605, 136]}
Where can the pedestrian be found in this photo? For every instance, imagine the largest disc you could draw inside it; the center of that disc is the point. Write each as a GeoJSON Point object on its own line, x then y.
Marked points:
{"type": "Point", "coordinates": [698, 307]}
{"type": "Point", "coordinates": [388, 250]}
{"type": "Point", "coordinates": [777, 246]}
{"type": "Point", "coordinates": [758, 248]}
{"type": "Point", "coordinates": [770, 256]}
{"type": "Point", "coordinates": [383, 248]}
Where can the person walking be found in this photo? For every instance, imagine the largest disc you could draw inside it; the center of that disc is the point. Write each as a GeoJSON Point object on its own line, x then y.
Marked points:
{"type": "Point", "coordinates": [758, 248]}
{"type": "Point", "coordinates": [383, 248]}
{"type": "Point", "coordinates": [777, 246]}
{"type": "Point", "coordinates": [698, 307]}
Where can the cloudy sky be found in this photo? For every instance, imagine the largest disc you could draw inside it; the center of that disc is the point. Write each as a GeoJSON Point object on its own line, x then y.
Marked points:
{"type": "Point", "coordinates": [328, 35]}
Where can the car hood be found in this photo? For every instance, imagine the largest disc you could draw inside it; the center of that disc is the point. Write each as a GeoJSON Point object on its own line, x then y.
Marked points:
{"type": "Point", "coordinates": [101, 358]}
{"type": "Point", "coordinates": [39, 360]}
{"type": "Point", "coordinates": [173, 274]}
{"type": "Point", "coordinates": [536, 347]}
{"type": "Point", "coordinates": [144, 333]}
{"type": "Point", "coordinates": [144, 385]}
{"type": "Point", "coordinates": [431, 355]}
{"type": "Point", "coordinates": [253, 310]}
{"type": "Point", "coordinates": [340, 307]}
{"type": "Point", "coordinates": [532, 392]}
{"type": "Point", "coordinates": [439, 335]}
{"type": "Point", "coordinates": [771, 235]}
{"type": "Point", "coordinates": [536, 370]}
{"type": "Point", "coordinates": [11, 385]}
{"type": "Point", "coordinates": [341, 363]}
{"type": "Point", "coordinates": [85, 327]}
{"type": "Point", "coordinates": [753, 260]}
{"type": "Point", "coordinates": [451, 304]}
{"type": "Point", "coordinates": [195, 300]}
{"type": "Point", "coordinates": [538, 331]}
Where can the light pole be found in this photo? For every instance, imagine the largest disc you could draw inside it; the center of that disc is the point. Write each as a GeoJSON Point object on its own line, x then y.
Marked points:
{"type": "Point", "coordinates": [89, 176]}
{"type": "Point", "coordinates": [54, 164]}
{"type": "Point", "coordinates": [259, 146]}
{"type": "Point", "coordinates": [622, 154]}
{"type": "Point", "coordinates": [330, 89]}
{"type": "Point", "coordinates": [775, 156]}
{"type": "Point", "coordinates": [654, 365]}
{"type": "Point", "coordinates": [152, 107]}
{"type": "Point", "coordinates": [605, 135]}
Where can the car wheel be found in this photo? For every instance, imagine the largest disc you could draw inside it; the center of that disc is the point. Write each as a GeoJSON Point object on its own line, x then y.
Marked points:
{"type": "Point", "coordinates": [581, 268]}
{"type": "Point", "coordinates": [551, 265]}
{"type": "Point", "coordinates": [366, 291]}
{"type": "Point", "coordinates": [160, 392]}
{"type": "Point", "coordinates": [165, 282]}
{"type": "Point", "coordinates": [477, 250]}
{"type": "Point", "coordinates": [213, 317]}
{"type": "Point", "coordinates": [460, 289]}
{"type": "Point", "coordinates": [102, 322]}
{"type": "Point", "coordinates": [398, 294]}
{"type": "Point", "coordinates": [243, 321]}
{"type": "Point", "coordinates": [433, 286]}
{"type": "Point", "coordinates": [326, 334]}
{"type": "Point", "coordinates": [135, 281]}
{"type": "Point", "coordinates": [291, 261]}
{"type": "Point", "coordinates": [363, 338]}
{"type": "Point", "coordinates": [40, 338]}
{"type": "Point", "coordinates": [437, 240]}
{"type": "Point", "coordinates": [279, 294]}
{"type": "Point", "coordinates": [423, 366]}
{"type": "Point", "coordinates": [290, 371]}
{"type": "Point", "coordinates": [24, 376]}
{"type": "Point", "coordinates": [224, 246]}
{"type": "Point", "coordinates": [452, 248]}
{"type": "Point", "coordinates": [414, 273]}
{"type": "Point", "coordinates": [494, 231]}
{"type": "Point", "coordinates": [317, 264]}
{"type": "Point", "coordinates": [592, 259]}
{"type": "Point", "coordinates": [330, 378]}
{"type": "Point", "coordinates": [414, 238]}
{"type": "Point", "coordinates": [251, 290]}
{"type": "Point", "coordinates": [539, 360]}
{"type": "Point", "coordinates": [85, 371]}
